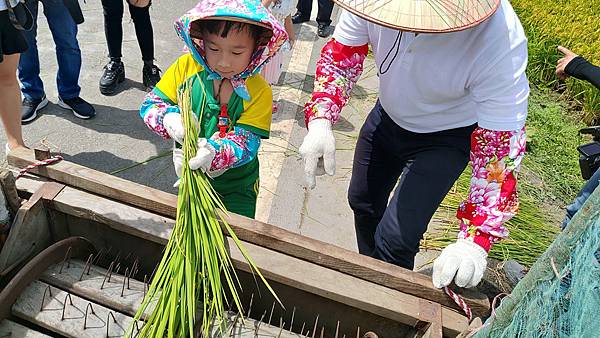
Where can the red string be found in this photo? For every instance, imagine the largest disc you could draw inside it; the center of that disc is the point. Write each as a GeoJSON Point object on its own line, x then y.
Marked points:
{"type": "Point", "coordinates": [41, 163]}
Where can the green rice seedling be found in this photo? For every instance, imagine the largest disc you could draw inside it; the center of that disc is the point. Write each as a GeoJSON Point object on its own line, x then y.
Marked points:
{"type": "Point", "coordinates": [196, 271]}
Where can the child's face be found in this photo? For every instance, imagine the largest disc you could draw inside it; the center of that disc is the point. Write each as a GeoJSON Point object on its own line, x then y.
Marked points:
{"type": "Point", "coordinates": [231, 55]}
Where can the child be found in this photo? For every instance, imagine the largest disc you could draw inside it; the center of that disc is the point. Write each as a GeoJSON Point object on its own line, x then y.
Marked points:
{"type": "Point", "coordinates": [228, 41]}
{"type": "Point", "coordinates": [282, 11]}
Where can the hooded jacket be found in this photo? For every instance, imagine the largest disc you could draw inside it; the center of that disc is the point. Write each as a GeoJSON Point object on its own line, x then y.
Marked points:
{"type": "Point", "coordinates": [250, 106]}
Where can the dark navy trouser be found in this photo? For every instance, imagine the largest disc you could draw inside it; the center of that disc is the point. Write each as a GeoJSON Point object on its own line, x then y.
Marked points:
{"type": "Point", "coordinates": [427, 165]}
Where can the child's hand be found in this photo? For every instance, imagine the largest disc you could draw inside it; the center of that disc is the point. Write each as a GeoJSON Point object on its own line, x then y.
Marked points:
{"type": "Point", "coordinates": [204, 156]}
{"type": "Point", "coordinates": [174, 126]}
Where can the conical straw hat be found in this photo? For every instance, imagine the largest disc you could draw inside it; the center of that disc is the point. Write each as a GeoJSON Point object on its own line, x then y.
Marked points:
{"type": "Point", "coordinates": [427, 16]}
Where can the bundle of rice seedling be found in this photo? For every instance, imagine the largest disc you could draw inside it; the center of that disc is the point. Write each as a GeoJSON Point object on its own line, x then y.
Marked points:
{"type": "Point", "coordinates": [196, 270]}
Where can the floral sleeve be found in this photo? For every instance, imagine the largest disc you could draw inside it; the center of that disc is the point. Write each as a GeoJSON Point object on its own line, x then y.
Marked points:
{"type": "Point", "coordinates": [237, 148]}
{"type": "Point", "coordinates": [338, 69]}
{"type": "Point", "coordinates": [496, 159]}
{"type": "Point", "coordinates": [153, 110]}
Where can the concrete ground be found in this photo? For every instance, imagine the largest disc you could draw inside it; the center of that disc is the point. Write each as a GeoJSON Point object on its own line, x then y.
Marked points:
{"type": "Point", "coordinates": [117, 141]}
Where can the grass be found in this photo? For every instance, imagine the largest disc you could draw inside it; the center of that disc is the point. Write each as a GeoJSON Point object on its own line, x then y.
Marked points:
{"type": "Point", "coordinates": [573, 24]}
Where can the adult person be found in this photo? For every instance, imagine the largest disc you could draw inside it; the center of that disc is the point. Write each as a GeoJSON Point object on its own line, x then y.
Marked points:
{"type": "Point", "coordinates": [12, 44]}
{"type": "Point", "coordinates": [304, 7]}
{"type": "Point", "coordinates": [114, 71]}
{"type": "Point", "coordinates": [443, 99]}
{"type": "Point", "coordinates": [576, 66]}
{"type": "Point", "coordinates": [64, 33]}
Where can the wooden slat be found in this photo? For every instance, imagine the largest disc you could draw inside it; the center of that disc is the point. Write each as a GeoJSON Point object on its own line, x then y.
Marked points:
{"type": "Point", "coordinates": [10, 329]}
{"type": "Point", "coordinates": [28, 305]}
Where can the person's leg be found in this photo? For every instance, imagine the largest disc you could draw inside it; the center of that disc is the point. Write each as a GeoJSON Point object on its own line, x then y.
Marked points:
{"type": "Point", "coordinates": [303, 9]}
{"type": "Point", "coordinates": [29, 63]}
{"type": "Point", "coordinates": [10, 101]}
{"type": "Point", "coordinates": [375, 172]}
{"type": "Point", "coordinates": [143, 31]}
{"type": "Point", "coordinates": [113, 29]}
{"type": "Point", "coordinates": [145, 37]}
{"type": "Point", "coordinates": [438, 160]}
{"type": "Point", "coordinates": [324, 13]}
{"type": "Point", "coordinates": [68, 54]}
{"type": "Point", "coordinates": [582, 196]}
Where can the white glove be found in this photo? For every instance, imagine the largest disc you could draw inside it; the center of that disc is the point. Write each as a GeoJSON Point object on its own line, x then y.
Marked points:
{"type": "Point", "coordinates": [464, 259]}
{"type": "Point", "coordinates": [318, 142]}
{"type": "Point", "coordinates": [174, 126]}
{"type": "Point", "coordinates": [203, 159]}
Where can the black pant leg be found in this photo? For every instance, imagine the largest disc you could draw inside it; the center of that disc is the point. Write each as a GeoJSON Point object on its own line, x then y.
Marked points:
{"type": "Point", "coordinates": [143, 30]}
{"type": "Point", "coordinates": [113, 29]}
{"type": "Point", "coordinates": [324, 13]}
{"type": "Point", "coordinates": [304, 7]}
{"type": "Point", "coordinates": [374, 175]}
{"type": "Point", "coordinates": [438, 160]}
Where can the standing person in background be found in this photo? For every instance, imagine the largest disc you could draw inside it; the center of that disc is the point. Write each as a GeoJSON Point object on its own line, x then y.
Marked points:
{"type": "Point", "coordinates": [12, 43]}
{"type": "Point", "coordinates": [574, 65]}
{"type": "Point", "coordinates": [282, 11]}
{"type": "Point", "coordinates": [304, 8]}
{"type": "Point", "coordinates": [114, 71]}
{"type": "Point", "coordinates": [64, 32]}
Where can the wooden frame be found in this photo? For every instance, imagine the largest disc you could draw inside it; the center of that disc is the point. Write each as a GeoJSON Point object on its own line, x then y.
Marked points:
{"type": "Point", "coordinates": [429, 305]}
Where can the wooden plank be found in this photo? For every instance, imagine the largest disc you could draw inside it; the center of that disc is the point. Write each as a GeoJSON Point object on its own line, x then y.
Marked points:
{"type": "Point", "coordinates": [28, 236]}
{"type": "Point", "coordinates": [10, 329]}
{"type": "Point", "coordinates": [28, 306]}
{"type": "Point", "coordinates": [256, 232]}
{"type": "Point", "coordinates": [7, 181]}
{"type": "Point", "coordinates": [94, 181]}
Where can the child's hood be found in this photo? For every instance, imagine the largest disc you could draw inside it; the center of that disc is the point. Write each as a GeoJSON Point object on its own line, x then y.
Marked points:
{"type": "Point", "coordinates": [249, 10]}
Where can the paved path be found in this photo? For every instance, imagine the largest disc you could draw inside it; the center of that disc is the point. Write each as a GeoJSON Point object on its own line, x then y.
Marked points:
{"type": "Point", "coordinates": [117, 141]}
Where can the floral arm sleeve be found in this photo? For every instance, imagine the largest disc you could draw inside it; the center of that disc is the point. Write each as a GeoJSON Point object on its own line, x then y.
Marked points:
{"type": "Point", "coordinates": [153, 110]}
{"type": "Point", "coordinates": [338, 69]}
{"type": "Point", "coordinates": [496, 159]}
{"type": "Point", "coordinates": [237, 148]}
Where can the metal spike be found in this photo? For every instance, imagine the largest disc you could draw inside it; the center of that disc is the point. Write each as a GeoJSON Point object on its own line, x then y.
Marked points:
{"type": "Point", "coordinates": [47, 289]}
{"type": "Point", "coordinates": [87, 266]}
{"type": "Point", "coordinates": [257, 324]}
{"type": "Point", "coordinates": [281, 324]}
{"type": "Point", "coordinates": [110, 314]}
{"type": "Point", "coordinates": [337, 329]}
{"type": "Point", "coordinates": [237, 316]}
{"type": "Point", "coordinates": [250, 307]}
{"type": "Point", "coordinates": [145, 284]}
{"type": "Point", "coordinates": [62, 317]}
{"type": "Point", "coordinates": [302, 329]}
{"type": "Point", "coordinates": [89, 306]}
{"type": "Point", "coordinates": [107, 274]}
{"type": "Point", "coordinates": [292, 321]}
{"type": "Point", "coordinates": [271, 315]}
{"type": "Point", "coordinates": [307, 333]}
{"type": "Point", "coordinates": [322, 331]}
{"type": "Point", "coordinates": [124, 279]}
{"type": "Point", "coordinates": [314, 331]}
{"type": "Point", "coordinates": [344, 336]}
{"type": "Point", "coordinates": [67, 258]}
{"type": "Point", "coordinates": [98, 256]}
{"type": "Point", "coordinates": [358, 332]}
{"type": "Point", "coordinates": [117, 268]}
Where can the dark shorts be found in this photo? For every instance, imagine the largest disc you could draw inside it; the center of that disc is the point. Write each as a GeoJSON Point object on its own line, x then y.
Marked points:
{"type": "Point", "coordinates": [11, 39]}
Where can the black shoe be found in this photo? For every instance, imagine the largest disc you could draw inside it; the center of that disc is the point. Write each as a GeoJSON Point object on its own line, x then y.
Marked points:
{"type": "Point", "coordinates": [30, 108]}
{"type": "Point", "coordinates": [114, 73]}
{"type": "Point", "coordinates": [324, 30]}
{"type": "Point", "coordinates": [299, 18]}
{"type": "Point", "coordinates": [151, 76]}
{"type": "Point", "coordinates": [79, 107]}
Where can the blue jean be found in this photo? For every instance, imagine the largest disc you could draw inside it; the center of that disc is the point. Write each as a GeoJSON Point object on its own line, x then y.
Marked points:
{"type": "Point", "coordinates": [68, 54]}
{"type": "Point", "coordinates": [583, 195]}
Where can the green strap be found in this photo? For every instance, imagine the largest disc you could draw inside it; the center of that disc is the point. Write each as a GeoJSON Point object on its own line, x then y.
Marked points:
{"type": "Point", "coordinates": [210, 117]}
